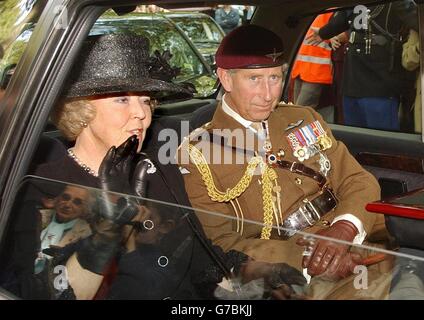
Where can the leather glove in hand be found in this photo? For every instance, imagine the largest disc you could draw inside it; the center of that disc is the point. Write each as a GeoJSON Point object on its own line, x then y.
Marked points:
{"type": "Point", "coordinates": [326, 254]}
{"type": "Point", "coordinates": [283, 274]}
{"type": "Point", "coordinates": [97, 251]}
{"type": "Point", "coordinates": [112, 211]}
{"type": "Point", "coordinates": [114, 175]}
{"type": "Point", "coordinates": [277, 276]}
{"type": "Point", "coordinates": [139, 184]}
{"type": "Point", "coordinates": [344, 269]}
{"type": "Point", "coordinates": [115, 169]}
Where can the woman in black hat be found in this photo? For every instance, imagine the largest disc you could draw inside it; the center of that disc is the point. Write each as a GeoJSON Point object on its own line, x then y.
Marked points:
{"type": "Point", "coordinates": [160, 250]}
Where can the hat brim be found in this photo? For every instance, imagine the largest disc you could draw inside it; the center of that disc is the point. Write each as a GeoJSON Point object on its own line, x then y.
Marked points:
{"type": "Point", "coordinates": [157, 87]}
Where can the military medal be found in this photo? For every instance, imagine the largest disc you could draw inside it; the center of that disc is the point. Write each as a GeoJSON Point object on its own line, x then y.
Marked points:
{"type": "Point", "coordinates": [324, 142]}
{"type": "Point", "coordinates": [302, 153]}
{"type": "Point", "coordinates": [308, 141]}
{"type": "Point", "coordinates": [324, 164]}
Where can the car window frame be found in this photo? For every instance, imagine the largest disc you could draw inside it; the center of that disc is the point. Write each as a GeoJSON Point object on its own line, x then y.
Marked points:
{"type": "Point", "coordinates": [421, 36]}
{"type": "Point", "coordinates": [309, 18]}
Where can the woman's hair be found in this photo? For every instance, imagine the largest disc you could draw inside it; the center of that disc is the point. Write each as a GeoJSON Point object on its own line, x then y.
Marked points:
{"type": "Point", "coordinates": [73, 116]}
{"type": "Point", "coordinates": [70, 117]}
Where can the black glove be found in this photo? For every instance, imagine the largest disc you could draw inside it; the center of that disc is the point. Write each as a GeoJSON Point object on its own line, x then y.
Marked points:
{"type": "Point", "coordinates": [139, 182]}
{"type": "Point", "coordinates": [114, 175]}
{"type": "Point", "coordinates": [280, 278]}
{"type": "Point", "coordinates": [284, 274]}
{"type": "Point", "coordinates": [275, 274]}
{"type": "Point", "coordinates": [112, 211]}
{"type": "Point", "coordinates": [115, 169]}
{"type": "Point", "coordinates": [286, 283]}
{"type": "Point", "coordinates": [97, 251]}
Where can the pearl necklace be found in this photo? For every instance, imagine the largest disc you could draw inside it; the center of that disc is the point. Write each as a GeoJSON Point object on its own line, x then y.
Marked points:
{"type": "Point", "coordinates": [81, 164]}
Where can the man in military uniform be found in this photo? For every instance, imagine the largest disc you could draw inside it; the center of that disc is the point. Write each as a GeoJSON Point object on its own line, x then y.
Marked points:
{"type": "Point", "coordinates": [273, 164]}
{"type": "Point", "coordinates": [373, 79]}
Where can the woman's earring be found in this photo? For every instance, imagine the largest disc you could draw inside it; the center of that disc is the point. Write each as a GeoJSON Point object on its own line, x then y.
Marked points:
{"type": "Point", "coordinates": [84, 124]}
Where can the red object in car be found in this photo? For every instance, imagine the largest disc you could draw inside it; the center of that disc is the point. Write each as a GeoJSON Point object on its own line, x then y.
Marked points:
{"type": "Point", "coordinates": [409, 205]}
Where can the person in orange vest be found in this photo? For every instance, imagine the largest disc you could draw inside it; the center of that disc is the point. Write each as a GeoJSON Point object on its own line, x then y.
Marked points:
{"type": "Point", "coordinates": [313, 67]}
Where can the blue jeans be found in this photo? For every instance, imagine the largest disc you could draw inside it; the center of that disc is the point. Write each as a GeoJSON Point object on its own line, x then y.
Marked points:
{"type": "Point", "coordinates": [371, 112]}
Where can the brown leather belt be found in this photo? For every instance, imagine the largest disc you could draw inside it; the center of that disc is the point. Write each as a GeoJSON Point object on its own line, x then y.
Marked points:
{"type": "Point", "coordinates": [309, 213]}
{"type": "Point", "coordinates": [300, 168]}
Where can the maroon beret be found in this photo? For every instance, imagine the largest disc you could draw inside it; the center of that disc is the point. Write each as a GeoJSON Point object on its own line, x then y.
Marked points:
{"type": "Point", "coordinates": [250, 46]}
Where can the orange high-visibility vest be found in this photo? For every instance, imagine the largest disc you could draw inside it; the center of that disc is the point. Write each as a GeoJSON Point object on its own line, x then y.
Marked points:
{"type": "Point", "coordinates": [313, 63]}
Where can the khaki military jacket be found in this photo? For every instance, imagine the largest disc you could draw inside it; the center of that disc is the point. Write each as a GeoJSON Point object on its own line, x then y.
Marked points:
{"type": "Point", "coordinates": [353, 186]}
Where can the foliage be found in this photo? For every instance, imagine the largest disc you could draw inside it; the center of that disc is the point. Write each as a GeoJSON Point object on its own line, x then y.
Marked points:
{"type": "Point", "coordinates": [199, 29]}
{"type": "Point", "coordinates": [14, 14]}
{"type": "Point", "coordinates": [162, 35]}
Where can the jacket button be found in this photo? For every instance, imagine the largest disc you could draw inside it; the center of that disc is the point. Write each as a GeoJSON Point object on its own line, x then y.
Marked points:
{"type": "Point", "coordinates": [325, 222]}
{"type": "Point", "coordinates": [163, 261]}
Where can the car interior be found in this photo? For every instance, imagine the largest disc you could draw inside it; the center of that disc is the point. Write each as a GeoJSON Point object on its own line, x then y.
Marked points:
{"type": "Point", "coordinates": [375, 154]}
{"type": "Point", "coordinates": [394, 158]}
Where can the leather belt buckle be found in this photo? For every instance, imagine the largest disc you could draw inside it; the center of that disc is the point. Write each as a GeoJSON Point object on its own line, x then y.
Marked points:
{"type": "Point", "coordinates": [309, 213]}
{"type": "Point", "coordinates": [312, 210]}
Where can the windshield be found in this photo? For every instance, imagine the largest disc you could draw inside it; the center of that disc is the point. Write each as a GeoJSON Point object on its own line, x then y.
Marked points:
{"type": "Point", "coordinates": [163, 35]}
{"type": "Point", "coordinates": [199, 29]}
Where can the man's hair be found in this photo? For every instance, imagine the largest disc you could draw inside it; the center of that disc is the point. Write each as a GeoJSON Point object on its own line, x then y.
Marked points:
{"type": "Point", "coordinates": [70, 117]}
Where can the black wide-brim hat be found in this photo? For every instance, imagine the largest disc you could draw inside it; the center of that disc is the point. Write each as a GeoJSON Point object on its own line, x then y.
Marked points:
{"type": "Point", "coordinates": [118, 63]}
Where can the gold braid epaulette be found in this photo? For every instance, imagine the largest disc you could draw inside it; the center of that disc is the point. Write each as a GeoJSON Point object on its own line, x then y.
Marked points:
{"type": "Point", "coordinates": [215, 194]}
{"type": "Point", "coordinates": [268, 176]}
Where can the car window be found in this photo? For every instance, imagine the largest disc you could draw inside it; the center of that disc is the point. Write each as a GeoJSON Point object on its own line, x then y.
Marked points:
{"type": "Point", "coordinates": [192, 69]}
{"type": "Point", "coordinates": [199, 28]}
{"type": "Point", "coordinates": [363, 69]}
{"type": "Point", "coordinates": [54, 222]}
{"type": "Point", "coordinates": [16, 18]}
{"type": "Point", "coordinates": [202, 29]}
{"type": "Point", "coordinates": [162, 256]}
